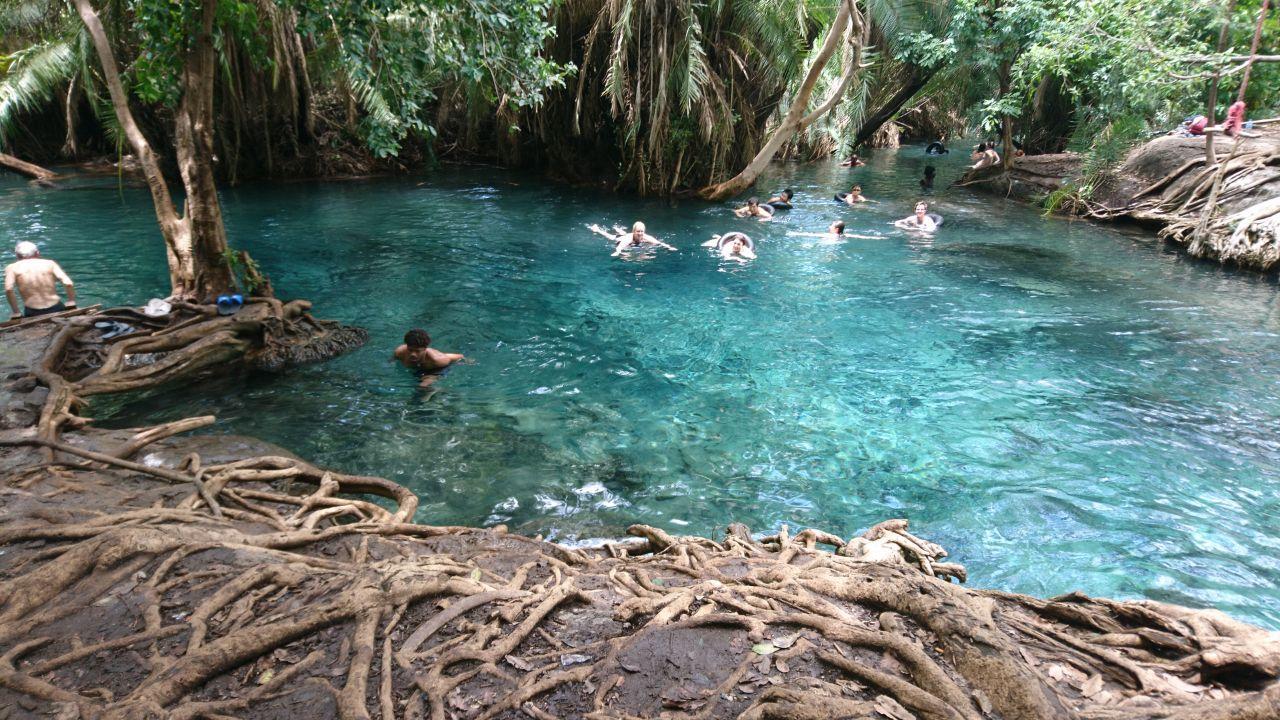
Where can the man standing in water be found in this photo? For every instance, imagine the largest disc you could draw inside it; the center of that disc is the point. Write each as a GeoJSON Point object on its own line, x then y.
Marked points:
{"type": "Point", "coordinates": [36, 280]}
{"type": "Point", "coordinates": [417, 354]}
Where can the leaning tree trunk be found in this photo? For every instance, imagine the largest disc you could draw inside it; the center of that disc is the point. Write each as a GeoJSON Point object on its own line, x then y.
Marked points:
{"type": "Point", "coordinates": [890, 107]}
{"type": "Point", "coordinates": [796, 120]}
{"type": "Point", "coordinates": [195, 241]}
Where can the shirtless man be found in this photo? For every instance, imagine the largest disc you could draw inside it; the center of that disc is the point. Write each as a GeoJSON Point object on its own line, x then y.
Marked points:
{"type": "Point", "coordinates": [417, 354]}
{"type": "Point", "coordinates": [834, 235]}
{"type": "Point", "coordinates": [855, 196]}
{"type": "Point", "coordinates": [624, 241]}
{"type": "Point", "coordinates": [35, 279]}
{"type": "Point", "coordinates": [753, 208]}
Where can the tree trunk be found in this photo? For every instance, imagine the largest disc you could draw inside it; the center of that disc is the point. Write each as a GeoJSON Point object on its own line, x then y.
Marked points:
{"type": "Point", "coordinates": [1006, 123]}
{"type": "Point", "coordinates": [195, 242]}
{"type": "Point", "coordinates": [22, 167]}
{"type": "Point", "coordinates": [796, 120]}
{"type": "Point", "coordinates": [890, 107]}
{"type": "Point", "coordinates": [1211, 103]}
{"type": "Point", "coordinates": [208, 272]}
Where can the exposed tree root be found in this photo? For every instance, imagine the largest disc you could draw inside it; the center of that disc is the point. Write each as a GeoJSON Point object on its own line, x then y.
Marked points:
{"type": "Point", "coordinates": [192, 590]}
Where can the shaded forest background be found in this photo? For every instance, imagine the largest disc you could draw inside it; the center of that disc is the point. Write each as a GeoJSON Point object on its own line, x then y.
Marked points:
{"type": "Point", "coordinates": [645, 96]}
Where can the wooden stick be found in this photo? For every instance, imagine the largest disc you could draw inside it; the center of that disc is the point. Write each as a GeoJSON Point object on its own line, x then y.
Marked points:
{"type": "Point", "coordinates": [27, 322]}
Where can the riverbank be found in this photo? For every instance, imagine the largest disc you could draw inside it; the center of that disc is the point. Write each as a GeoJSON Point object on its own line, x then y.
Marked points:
{"type": "Point", "coordinates": [150, 574]}
{"type": "Point", "coordinates": [1166, 184]}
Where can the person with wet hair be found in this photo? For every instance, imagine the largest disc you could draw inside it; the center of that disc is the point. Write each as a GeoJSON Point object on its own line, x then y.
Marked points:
{"type": "Point", "coordinates": [926, 182]}
{"type": "Point", "coordinates": [624, 240]}
{"type": "Point", "coordinates": [417, 354]}
{"type": "Point", "coordinates": [753, 208]}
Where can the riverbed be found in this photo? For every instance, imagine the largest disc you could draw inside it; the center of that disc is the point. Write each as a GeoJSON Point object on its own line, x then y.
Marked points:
{"type": "Point", "coordinates": [1062, 405]}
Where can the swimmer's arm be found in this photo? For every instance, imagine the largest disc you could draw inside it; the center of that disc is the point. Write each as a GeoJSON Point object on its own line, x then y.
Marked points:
{"type": "Point", "coordinates": [67, 285]}
{"type": "Point", "coordinates": [443, 358]}
{"type": "Point", "coordinates": [748, 253]}
{"type": "Point", "coordinates": [602, 232]}
{"type": "Point", "coordinates": [741, 212]}
{"type": "Point", "coordinates": [655, 241]}
{"type": "Point", "coordinates": [715, 240]}
{"type": "Point", "coordinates": [10, 279]}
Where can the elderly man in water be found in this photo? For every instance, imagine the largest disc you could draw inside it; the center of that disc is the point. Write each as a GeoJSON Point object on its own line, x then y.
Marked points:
{"type": "Point", "coordinates": [417, 354]}
{"type": "Point", "coordinates": [36, 280]}
{"type": "Point", "coordinates": [624, 241]}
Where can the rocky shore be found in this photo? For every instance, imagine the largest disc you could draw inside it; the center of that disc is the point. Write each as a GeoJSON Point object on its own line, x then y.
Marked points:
{"type": "Point", "coordinates": [147, 573]}
{"type": "Point", "coordinates": [1166, 184]}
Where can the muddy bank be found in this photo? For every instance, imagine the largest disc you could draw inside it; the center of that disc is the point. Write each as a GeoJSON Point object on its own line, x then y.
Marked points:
{"type": "Point", "coordinates": [1166, 184]}
{"type": "Point", "coordinates": [147, 574]}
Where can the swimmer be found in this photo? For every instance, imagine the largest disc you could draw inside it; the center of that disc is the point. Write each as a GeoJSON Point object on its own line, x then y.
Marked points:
{"type": "Point", "coordinates": [35, 279]}
{"type": "Point", "coordinates": [853, 161]}
{"type": "Point", "coordinates": [936, 148]}
{"type": "Point", "coordinates": [984, 156]}
{"type": "Point", "coordinates": [732, 246]}
{"type": "Point", "coordinates": [921, 220]}
{"type": "Point", "coordinates": [926, 182]}
{"type": "Point", "coordinates": [834, 235]}
{"type": "Point", "coordinates": [417, 354]}
{"type": "Point", "coordinates": [855, 196]}
{"type": "Point", "coordinates": [783, 198]}
{"type": "Point", "coordinates": [624, 240]}
{"type": "Point", "coordinates": [753, 208]}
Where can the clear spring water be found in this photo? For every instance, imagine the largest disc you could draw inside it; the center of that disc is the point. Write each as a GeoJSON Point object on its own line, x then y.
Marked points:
{"type": "Point", "coordinates": [1061, 405]}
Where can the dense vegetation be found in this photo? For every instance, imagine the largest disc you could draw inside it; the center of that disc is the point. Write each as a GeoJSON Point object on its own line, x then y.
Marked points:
{"type": "Point", "coordinates": [653, 96]}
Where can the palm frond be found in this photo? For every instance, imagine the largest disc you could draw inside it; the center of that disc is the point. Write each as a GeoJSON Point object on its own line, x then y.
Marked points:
{"type": "Point", "coordinates": [32, 78]}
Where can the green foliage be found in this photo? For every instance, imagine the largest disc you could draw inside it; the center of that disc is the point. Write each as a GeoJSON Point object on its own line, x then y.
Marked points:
{"type": "Point", "coordinates": [394, 56]}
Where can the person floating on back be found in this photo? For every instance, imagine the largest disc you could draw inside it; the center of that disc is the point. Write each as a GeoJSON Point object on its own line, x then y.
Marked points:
{"type": "Point", "coordinates": [36, 279]}
{"type": "Point", "coordinates": [922, 220]}
{"type": "Point", "coordinates": [624, 241]}
{"type": "Point", "coordinates": [753, 208]}
{"type": "Point", "coordinates": [417, 354]}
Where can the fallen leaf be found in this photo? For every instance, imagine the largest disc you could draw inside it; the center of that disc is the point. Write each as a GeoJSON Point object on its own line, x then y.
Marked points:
{"type": "Point", "coordinates": [573, 659]}
{"type": "Point", "coordinates": [475, 575]}
{"type": "Point", "coordinates": [762, 666]}
{"type": "Point", "coordinates": [266, 676]}
{"type": "Point", "coordinates": [518, 663]}
{"type": "Point", "coordinates": [782, 665]}
{"type": "Point", "coordinates": [746, 688]}
{"type": "Point", "coordinates": [785, 642]}
{"type": "Point", "coordinates": [629, 667]}
{"type": "Point", "coordinates": [764, 648]}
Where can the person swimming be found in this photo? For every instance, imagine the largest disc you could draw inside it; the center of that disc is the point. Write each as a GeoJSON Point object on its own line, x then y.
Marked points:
{"type": "Point", "coordinates": [855, 196]}
{"type": "Point", "coordinates": [753, 208]}
{"type": "Point", "coordinates": [733, 246]}
{"type": "Point", "coordinates": [417, 354]}
{"type": "Point", "coordinates": [926, 182]}
{"type": "Point", "coordinates": [853, 161]}
{"type": "Point", "coordinates": [782, 200]}
{"type": "Point", "coordinates": [936, 148]}
{"type": "Point", "coordinates": [922, 220]}
{"type": "Point", "coordinates": [624, 241]}
{"type": "Point", "coordinates": [834, 235]}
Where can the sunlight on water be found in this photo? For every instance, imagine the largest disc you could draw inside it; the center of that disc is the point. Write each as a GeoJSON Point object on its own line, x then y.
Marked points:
{"type": "Point", "coordinates": [1062, 406]}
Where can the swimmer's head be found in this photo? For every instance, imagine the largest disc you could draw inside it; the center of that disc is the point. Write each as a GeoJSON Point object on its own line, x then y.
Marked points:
{"type": "Point", "coordinates": [638, 227]}
{"type": "Point", "coordinates": [788, 194]}
{"type": "Point", "coordinates": [753, 202]}
{"type": "Point", "coordinates": [856, 189]}
{"type": "Point", "coordinates": [416, 339]}
{"type": "Point", "coordinates": [930, 171]}
{"type": "Point", "coordinates": [921, 207]}
{"type": "Point", "coordinates": [837, 227]}
{"type": "Point", "coordinates": [26, 249]}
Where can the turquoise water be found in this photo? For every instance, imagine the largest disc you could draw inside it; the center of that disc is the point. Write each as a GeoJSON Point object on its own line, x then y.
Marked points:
{"type": "Point", "coordinates": [1062, 405]}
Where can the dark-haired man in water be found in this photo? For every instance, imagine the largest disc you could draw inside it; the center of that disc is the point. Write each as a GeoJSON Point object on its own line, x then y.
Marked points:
{"type": "Point", "coordinates": [417, 354]}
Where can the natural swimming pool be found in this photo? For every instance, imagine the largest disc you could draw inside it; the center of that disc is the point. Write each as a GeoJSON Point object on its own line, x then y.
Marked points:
{"type": "Point", "coordinates": [1061, 405]}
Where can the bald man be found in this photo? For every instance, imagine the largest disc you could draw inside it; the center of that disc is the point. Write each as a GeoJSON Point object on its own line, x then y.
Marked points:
{"type": "Point", "coordinates": [36, 280]}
